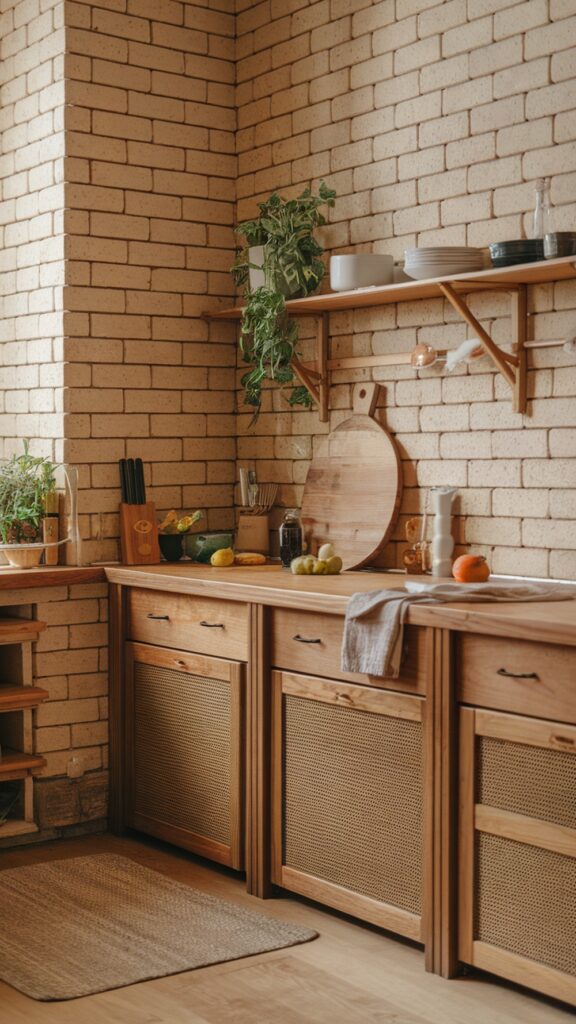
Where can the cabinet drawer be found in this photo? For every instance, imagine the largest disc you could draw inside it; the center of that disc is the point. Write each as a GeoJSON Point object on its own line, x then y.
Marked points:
{"type": "Point", "coordinates": [189, 623]}
{"type": "Point", "coordinates": [310, 642]}
{"type": "Point", "coordinates": [517, 675]}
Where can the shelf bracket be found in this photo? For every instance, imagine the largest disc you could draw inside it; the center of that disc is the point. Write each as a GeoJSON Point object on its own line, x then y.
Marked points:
{"type": "Point", "coordinates": [512, 368]}
{"type": "Point", "coordinates": [316, 380]}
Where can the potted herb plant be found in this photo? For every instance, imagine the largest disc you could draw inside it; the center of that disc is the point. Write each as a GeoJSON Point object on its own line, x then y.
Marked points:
{"type": "Point", "coordinates": [25, 480]}
{"type": "Point", "coordinates": [289, 258]}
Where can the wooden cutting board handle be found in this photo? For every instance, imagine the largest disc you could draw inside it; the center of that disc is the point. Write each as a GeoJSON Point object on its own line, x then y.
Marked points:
{"type": "Point", "coordinates": [365, 398]}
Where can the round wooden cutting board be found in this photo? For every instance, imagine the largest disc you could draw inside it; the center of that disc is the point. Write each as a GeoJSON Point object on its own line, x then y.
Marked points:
{"type": "Point", "coordinates": [354, 485]}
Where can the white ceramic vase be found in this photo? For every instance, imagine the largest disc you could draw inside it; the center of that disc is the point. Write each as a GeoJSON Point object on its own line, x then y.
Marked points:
{"type": "Point", "coordinates": [442, 540]}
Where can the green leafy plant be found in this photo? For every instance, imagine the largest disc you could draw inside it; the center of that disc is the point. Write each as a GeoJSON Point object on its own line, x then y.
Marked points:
{"type": "Point", "coordinates": [25, 479]}
{"type": "Point", "coordinates": [292, 268]}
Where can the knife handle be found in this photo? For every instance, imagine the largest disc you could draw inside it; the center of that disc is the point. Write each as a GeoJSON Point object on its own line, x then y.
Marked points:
{"type": "Point", "coordinates": [131, 482]}
{"type": "Point", "coordinates": [140, 485]}
{"type": "Point", "coordinates": [123, 479]}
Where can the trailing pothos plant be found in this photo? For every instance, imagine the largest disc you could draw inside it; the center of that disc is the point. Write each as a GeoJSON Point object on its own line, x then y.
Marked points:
{"type": "Point", "coordinates": [292, 268]}
{"type": "Point", "coordinates": [25, 480]}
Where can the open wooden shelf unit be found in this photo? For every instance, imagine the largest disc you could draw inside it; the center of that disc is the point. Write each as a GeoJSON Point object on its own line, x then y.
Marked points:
{"type": "Point", "coordinates": [513, 280]}
{"type": "Point", "coordinates": [18, 696]}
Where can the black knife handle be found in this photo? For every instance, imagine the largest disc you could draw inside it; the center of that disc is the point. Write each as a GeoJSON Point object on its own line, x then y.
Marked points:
{"type": "Point", "coordinates": [123, 479]}
{"type": "Point", "coordinates": [131, 482]}
{"type": "Point", "coordinates": [140, 485]}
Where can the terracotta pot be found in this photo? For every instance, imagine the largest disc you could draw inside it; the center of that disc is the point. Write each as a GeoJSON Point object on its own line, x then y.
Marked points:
{"type": "Point", "coordinates": [22, 557]}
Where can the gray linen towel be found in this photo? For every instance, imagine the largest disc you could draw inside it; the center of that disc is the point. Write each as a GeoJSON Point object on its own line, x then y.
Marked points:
{"type": "Point", "coordinates": [374, 624]}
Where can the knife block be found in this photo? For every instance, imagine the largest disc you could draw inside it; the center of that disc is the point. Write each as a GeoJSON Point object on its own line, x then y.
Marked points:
{"type": "Point", "coordinates": [139, 534]}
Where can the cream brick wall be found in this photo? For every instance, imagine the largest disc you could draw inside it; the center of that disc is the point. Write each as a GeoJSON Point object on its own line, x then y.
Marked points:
{"type": "Point", "coordinates": [150, 176]}
{"type": "Point", "coordinates": [31, 244]}
{"type": "Point", "coordinates": [432, 121]}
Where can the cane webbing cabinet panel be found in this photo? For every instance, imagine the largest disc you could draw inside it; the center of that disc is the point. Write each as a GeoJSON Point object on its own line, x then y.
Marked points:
{"type": "Point", "coordinates": [517, 851]}
{"type": "Point", "coordinates": [184, 744]}
{"type": "Point", "coordinates": [347, 771]}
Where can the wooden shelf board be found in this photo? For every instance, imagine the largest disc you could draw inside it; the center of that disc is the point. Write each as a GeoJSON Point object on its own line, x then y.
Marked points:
{"type": "Point", "coordinates": [499, 278]}
{"type": "Point", "coordinates": [14, 761]}
{"type": "Point", "coordinates": [16, 630]}
{"type": "Point", "coordinates": [17, 698]}
{"type": "Point", "coordinates": [16, 827]}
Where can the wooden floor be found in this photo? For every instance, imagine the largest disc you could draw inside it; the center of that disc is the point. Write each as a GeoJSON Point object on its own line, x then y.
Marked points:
{"type": "Point", "coordinates": [351, 974]}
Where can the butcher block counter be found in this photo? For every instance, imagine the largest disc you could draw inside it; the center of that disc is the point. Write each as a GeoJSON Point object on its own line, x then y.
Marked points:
{"type": "Point", "coordinates": [439, 805]}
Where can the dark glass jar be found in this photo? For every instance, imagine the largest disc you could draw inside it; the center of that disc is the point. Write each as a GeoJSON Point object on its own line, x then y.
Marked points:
{"type": "Point", "coordinates": [290, 537]}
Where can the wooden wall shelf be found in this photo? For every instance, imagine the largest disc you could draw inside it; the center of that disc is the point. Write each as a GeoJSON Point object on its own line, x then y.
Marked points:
{"type": "Point", "coordinates": [14, 764]}
{"type": "Point", "coordinates": [15, 698]}
{"type": "Point", "coordinates": [513, 280]}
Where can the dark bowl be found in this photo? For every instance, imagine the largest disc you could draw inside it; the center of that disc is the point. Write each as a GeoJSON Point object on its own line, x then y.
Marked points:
{"type": "Point", "coordinates": [514, 248]}
{"type": "Point", "coordinates": [171, 546]}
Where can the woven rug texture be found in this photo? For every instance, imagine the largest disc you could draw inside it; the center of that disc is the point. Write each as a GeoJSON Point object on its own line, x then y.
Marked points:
{"type": "Point", "coordinates": [71, 928]}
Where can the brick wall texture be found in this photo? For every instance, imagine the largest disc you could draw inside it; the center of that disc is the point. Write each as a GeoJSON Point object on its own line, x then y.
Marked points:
{"type": "Point", "coordinates": [432, 120]}
{"type": "Point", "coordinates": [135, 133]}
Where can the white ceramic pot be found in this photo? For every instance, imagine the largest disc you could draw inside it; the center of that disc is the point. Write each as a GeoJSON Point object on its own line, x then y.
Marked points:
{"type": "Point", "coordinates": [22, 557]}
{"type": "Point", "coordinates": [360, 270]}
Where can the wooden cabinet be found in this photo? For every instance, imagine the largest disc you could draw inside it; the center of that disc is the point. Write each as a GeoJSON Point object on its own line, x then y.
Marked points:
{"type": "Point", "coordinates": [347, 798]}
{"type": "Point", "coordinates": [439, 805]}
{"type": "Point", "coordinates": [517, 849]}
{"type": "Point", "coordinates": [517, 675]}
{"type": "Point", "coordinates": [311, 642]}
{"type": "Point", "coordinates": [188, 623]}
{"type": "Point", "coordinates": [184, 750]}
{"type": "Point", "coordinates": [18, 696]}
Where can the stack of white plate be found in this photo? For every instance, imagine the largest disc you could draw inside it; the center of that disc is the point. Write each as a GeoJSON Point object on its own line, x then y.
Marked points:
{"type": "Point", "coordinates": [442, 261]}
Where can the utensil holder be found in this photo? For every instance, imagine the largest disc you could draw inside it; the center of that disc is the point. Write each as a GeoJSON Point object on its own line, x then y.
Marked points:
{"type": "Point", "coordinates": [253, 534]}
{"type": "Point", "coordinates": [139, 534]}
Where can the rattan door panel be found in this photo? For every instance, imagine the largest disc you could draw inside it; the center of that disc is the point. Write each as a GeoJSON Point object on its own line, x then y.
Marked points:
{"type": "Point", "coordinates": [310, 642]}
{"type": "Point", "coordinates": [348, 806]}
{"type": "Point", "coordinates": [188, 623]}
{"type": "Point", "coordinates": [517, 886]}
{"type": "Point", "coordinates": [185, 716]}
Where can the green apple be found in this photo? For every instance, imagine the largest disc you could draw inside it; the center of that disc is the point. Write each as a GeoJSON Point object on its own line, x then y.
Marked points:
{"type": "Point", "coordinates": [321, 567]}
{"type": "Point", "coordinates": [334, 565]}
{"type": "Point", "coordinates": [297, 566]}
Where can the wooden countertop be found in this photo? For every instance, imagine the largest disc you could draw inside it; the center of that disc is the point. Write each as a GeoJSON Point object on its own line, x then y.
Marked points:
{"type": "Point", "coordinates": [553, 621]}
{"type": "Point", "coordinates": [50, 576]}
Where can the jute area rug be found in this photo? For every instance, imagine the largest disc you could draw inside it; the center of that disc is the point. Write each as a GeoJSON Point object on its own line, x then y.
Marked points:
{"type": "Point", "coordinates": [71, 928]}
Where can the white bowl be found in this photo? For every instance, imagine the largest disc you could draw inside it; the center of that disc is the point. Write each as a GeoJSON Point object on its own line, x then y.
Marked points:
{"type": "Point", "coordinates": [361, 270]}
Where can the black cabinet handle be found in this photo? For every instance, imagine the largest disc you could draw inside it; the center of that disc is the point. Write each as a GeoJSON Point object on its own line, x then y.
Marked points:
{"type": "Point", "coordinates": [303, 640]}
{"type": "Point", "coordinates": [517, 675]}
{"type": "Point", "coordinates": [151, 616]}
{"type": "Point", "coordinates": [213, 625]}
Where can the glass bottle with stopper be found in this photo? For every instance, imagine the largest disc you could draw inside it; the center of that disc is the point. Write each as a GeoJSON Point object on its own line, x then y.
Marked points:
{"type": "Point", "coordinates": [290, 537]}
{"type": "Point", "coordinates": [541, 218]}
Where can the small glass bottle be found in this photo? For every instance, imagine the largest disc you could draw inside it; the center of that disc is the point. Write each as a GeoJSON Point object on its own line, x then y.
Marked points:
{"type": "Point", "coordinates": [541, 215]}
{"type": "Point", "coordinates": [290, 537]}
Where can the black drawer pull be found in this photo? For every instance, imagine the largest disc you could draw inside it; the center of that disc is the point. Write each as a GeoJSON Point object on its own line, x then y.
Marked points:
{"type": "Point", "coordinates": [213, 625]}
{"type": "Point", "coordinates": [151, 616]}
{"type": "Point", "coordinates": [517, 675]}
{"type": "Point", "coordinates": [303, 640]}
